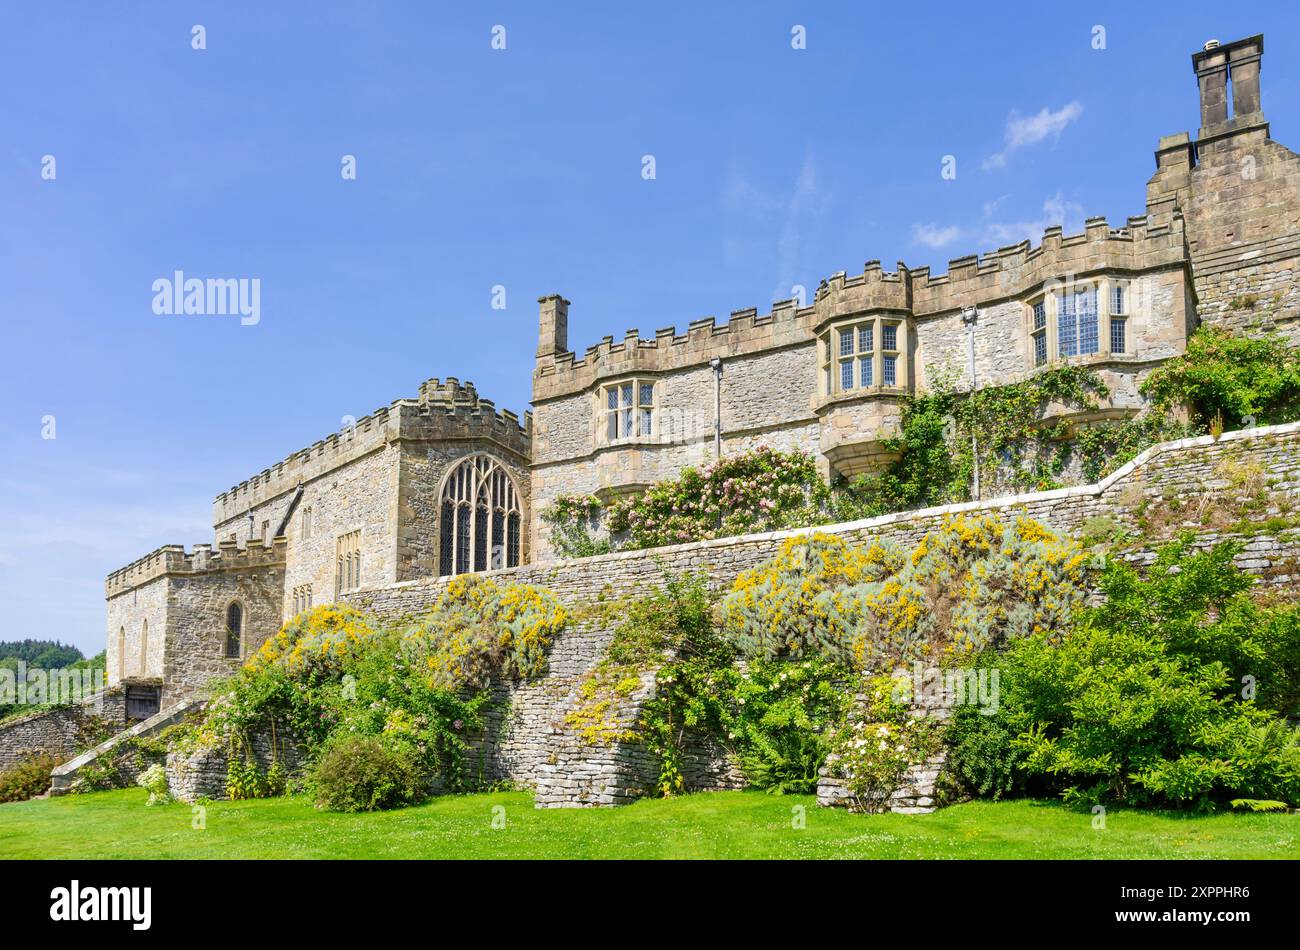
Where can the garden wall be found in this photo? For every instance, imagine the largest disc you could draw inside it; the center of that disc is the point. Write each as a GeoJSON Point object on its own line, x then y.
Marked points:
{"type": "Point", "coordinates": [118, 761]}
{"type": "Point", "coordinates": [528, 742]}
{"type": "Point", "coordinates": [201, 774]}
{"type": "Point", "coordinates": [1182, 469]}
{"type": "Point", "coordinates": [61, 731]}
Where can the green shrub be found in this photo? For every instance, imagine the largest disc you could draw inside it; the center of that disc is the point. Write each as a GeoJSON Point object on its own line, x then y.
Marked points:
{"type": "Point", "coordinates": [27, 779]}
{"type": "Point", "coordinates": [367, 773]}
{"type": "Point", "coordinates": [780, 717]}
{"type": "Point", "coordinates": [984, 760]}
{"type": "Point", "coordinates": [1232, 377]}
{"type": "Point", "coordinates": [1169, 693]}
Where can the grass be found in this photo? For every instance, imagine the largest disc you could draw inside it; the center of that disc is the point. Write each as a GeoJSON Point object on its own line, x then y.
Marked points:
{"type": "Point", "coordinates": [710, 825]}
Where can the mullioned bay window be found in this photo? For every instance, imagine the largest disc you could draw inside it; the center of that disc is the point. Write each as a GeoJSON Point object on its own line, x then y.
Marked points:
{"type": "Point", "coordinates": [861, 355]}
{"type": "Point", "coordinates": [1087, 318]}
{"type": "Point", "coordinates": [627, 410]}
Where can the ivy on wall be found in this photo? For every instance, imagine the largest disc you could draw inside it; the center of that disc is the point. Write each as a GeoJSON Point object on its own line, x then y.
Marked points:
{"type": "Point", "coordinates": [1231, 380]}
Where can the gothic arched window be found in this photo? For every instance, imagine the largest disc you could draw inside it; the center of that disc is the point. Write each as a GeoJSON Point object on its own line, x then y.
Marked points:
{"type": "Point", "coordinates": [234, 629]}
{"type": "Point", "coordinates": [144, 648]}
{"type": "Point", "coordinates": [479, 518]}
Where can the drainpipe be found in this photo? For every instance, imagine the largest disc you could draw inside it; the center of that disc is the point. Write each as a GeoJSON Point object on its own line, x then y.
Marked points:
{"type": "Point", "coordinates": [716, 363]}
{"type": "Point", "coordinates": [968, 317]}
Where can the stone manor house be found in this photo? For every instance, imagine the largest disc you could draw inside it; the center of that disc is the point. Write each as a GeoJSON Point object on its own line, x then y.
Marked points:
{"type": "Point", "coordinates": [444, 483]}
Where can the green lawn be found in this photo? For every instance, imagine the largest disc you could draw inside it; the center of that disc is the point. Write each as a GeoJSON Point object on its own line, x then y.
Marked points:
{"type": "Point", "coordinates": [713, 825]}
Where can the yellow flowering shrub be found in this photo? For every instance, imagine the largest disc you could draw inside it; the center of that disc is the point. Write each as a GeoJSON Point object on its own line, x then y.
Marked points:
{"type": "Point", "coordinates": [320, 640]}
{"type": "Point", "coordinates": [973, 581]}
{"type": "Point", "coordinates": [788, 608]}
{"type": "Point", "coordinates": [478, 627]}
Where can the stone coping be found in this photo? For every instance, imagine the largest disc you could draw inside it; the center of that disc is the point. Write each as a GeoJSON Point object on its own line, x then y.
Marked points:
{"type": "Point", "coordinates": [154, 723]}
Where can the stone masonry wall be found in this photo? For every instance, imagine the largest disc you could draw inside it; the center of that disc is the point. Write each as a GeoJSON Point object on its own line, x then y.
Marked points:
{"type": "Point", "coordinates": [62, 731]}
{"type": "Point", "coordinates": [527, 740]}
{"type": "Point", "coordinates": [196, 638]}
{"type": "Point", "coordinates": [1182, 468]}
{"type": "Point", "coordinates": [136, 622]}
{"type": "Point", "coordinates": [202, 774]}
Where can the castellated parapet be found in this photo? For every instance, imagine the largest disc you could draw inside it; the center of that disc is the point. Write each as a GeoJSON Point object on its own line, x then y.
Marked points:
{"type": "Point", "coordinates": [1009, 273]}
{"type": "Point", "coordinates": [173, 559]}
{"type": "Point", "coordinates": [444, 411]}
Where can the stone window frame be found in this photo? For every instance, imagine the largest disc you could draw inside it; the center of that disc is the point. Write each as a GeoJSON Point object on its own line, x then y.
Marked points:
{"type": "Point", "coordinates": [144, 647]}
{"type": "Point", "coordinates": [121, 652]}
{"type": "Point", "coordinates": [304, 523]}
{"type": "Point", "coordinates": [1103, 287]}
{"type": "Point", "coordinates": [347, 562]}
{"type": "Point", "coordinates": [302, 599]}
{"type": "Point", "coordinates": [832, 357]}
{"type": "Point", "coordinates": [640, 410]}
{"type": "Point", "coordinates": [1123, 316]}
{"type": "Point", "coordinates": [240, 635]}
{"type": "Point", "coordinates": [468, 544]}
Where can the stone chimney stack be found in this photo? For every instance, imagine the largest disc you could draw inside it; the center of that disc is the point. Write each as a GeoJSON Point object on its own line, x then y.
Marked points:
{"type": "Point", "coordinates": [1218, 64]}
{"type": "Point", "coordinates": [553, 336]}
{"type": "Point", "coordinates": [1244, 58]}
{"type": "Point", "coordinates": [1211, 65]}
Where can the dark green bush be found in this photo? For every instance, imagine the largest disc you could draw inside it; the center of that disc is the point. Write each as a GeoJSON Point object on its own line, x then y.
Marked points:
{"type": "Point", "coordinates": [1233, 378]}
{"type": "Point", "coordinates": [367, 773]}
{"type": "Point", "coordinates": [1173, 692]}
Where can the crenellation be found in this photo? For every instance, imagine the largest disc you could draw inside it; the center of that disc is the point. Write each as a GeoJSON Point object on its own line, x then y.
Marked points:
{"type": "Point", "coordinates": [174, 559]}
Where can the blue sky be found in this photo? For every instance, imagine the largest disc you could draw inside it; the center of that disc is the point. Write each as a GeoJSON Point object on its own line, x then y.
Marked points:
{"type": "Point", "coordinates": [479, 167]}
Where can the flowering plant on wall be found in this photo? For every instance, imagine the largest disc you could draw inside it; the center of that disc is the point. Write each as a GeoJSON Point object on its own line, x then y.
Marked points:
{"type": "Point", "coordinates": [757, 491]}
{"type": "Point", "coordinates": [878, 741]}
{"type": "Point", "coordinates": [479, 627]}
{"type": "Point", "coordinates": [572, 520]}
{"type": "Point", "coordinates": [971, 582]}
{"type": "Point", "coordinates": [333, 674]}
{"type": "Point", "coordinates": [316, 641]}
{"type": "Point", "coordinates": [779, 610]}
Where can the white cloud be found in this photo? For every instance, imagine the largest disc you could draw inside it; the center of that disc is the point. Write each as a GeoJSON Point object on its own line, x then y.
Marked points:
{"type": "Point", "coordinates": [754, 214]}
{"type": "Point", "coordinates": [934, 236]}
{"type": "Point", "coordinates": [1023, 131]}
{"type": "Point", "coordinates": [1056, 210]}
{"type": "Point", "coordinates": [990, 233]}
